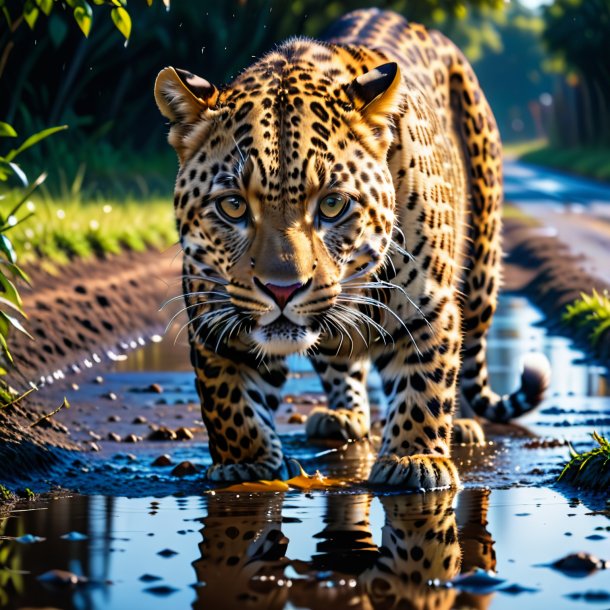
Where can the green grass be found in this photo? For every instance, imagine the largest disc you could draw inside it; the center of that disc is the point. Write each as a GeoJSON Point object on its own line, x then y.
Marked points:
{"type": "Point", "coordinates": [518, 149]}
{"type": "Point", "coordinates": [589, 162]}
{"type": "Point", "coordinates": [60, 230]}
{"type": "Point", "coordinates": [591, 469]}
{"type": "Point", "coordinates": [592, 313]}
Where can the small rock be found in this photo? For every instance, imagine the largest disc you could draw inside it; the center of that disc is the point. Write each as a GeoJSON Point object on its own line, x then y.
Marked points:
{"type": "Point", "coordinates": [162, 460]}
{"type": "Point", "coordinates": [583, 563]}
{"type": "Point", "coordinates": [75, 386]}
{"type": "Point", "coordinates": [110, 396]}
{"type": "Point", "coordinates": [74, 536]}
{"type": "Point", "coordinates": [140, 419]}
{"type": "Point", "coordinates": [149, 578]}
{"type": "Point", "coordinates": [132, 438]}
{"type": "Point", "coordinates": [114, 418]}
{"type": "Point", "coordinates": [94, 435]}
{"type": "Point", "coordinates": [60, 578]}
{"type": "Point", "coordinates": [297, 418]}
{"type": "Point", "coordinates": [113, 436]}
{"type": "Point", "coordinates": [98, 379]}
{"type": "Point", "coordinates": [29, 539]}
{"type": "Point", "coordinates": [184, 469]}
{"type": "Point", "coordinates": [162, 434]}
{"type": "Point", "coordinates": [167, 553]}
{"type": "Point", "coordinates": [94, 447]}
{"type": "Point", "coordinates": [184, 434]}
{"type": "Point", "coordinates": [155, 388]}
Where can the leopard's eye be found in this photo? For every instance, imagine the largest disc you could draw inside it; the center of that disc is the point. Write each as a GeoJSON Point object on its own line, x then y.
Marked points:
{"type": "Point", "coordinates": [333, 206]}
{"type": "Point", "coordinates": [233, 207]}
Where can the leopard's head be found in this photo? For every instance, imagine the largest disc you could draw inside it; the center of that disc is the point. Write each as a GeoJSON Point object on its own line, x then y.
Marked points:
{"type": "Point", "coordinates": [284, 197]}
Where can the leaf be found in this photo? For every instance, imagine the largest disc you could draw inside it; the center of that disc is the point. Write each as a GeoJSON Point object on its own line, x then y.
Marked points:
{"type": "Point", "coordinates": [122, 21]}
{"type": "Point", "coordinates": [9, 293]}
{"type": "Point", "coordinates": [46, 6]}
{"type": "Point", "coordinates": [16, 271]}
{"type": "Point", "coordinates": [30, 13]}
{"type": "Point", "coordinates": [4, 347]}
{"type": "Point", "coordinates": [7, 131]}
{"type": "Point", "coordinates": [19, 173]}
{"type": "Point", "coordinates": [83, 16]}
{"type": "Point", "coordinates": [6, 247]}
{"type": "Point", "coordinates": [34, 139]}
{"type": "Point", "coordinates": [16, 324]}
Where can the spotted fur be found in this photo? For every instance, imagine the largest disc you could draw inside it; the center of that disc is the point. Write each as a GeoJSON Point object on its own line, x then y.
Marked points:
{"type": "Point", "coordinates": [385, 122]}
{"type": "Point", "coordinates": [423, 540]}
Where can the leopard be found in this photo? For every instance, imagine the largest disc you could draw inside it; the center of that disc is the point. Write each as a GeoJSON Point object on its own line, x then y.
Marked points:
{"type": "Point", "coordinates": [341, 198]}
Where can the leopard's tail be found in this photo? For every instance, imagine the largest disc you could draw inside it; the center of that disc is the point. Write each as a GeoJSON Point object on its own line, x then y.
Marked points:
{"type": "Point", "coordinates": [535, 380]}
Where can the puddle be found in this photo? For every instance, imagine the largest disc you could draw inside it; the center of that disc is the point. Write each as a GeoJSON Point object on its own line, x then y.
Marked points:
{"type": "Point", "coordinates": [292, 550]}
{"type": "Point", "coordinates": [349, 548]}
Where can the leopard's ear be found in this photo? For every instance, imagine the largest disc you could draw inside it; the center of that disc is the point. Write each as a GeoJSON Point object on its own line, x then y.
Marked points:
{"type": "Point", "coordinates": [185, 99]}
{"type": "Point", "coordinates": [182, 96]}
{"type": "Point", "coordinates": [376, 93]}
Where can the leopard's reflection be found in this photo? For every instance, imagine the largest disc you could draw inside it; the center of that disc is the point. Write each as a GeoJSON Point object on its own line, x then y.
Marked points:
{"type": "Point", "coordinates": [244, 553]}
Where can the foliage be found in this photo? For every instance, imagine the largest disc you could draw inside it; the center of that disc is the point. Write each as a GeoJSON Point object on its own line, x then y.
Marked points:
{"type": "Point", "coordinates": [576, 32]}
{"type": "Point", "coordinates": [585, 161]}
{"type": "Point", "coordinates": [591, 469]}
{"type": "Point", "coordinates": [591, 313]}
{"type": "Point", "coordinates": [103, 90]}
{"type": "Point", "coordinates": [65, 229]}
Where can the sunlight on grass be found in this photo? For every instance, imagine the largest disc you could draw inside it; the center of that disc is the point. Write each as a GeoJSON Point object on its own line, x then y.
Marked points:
{"type": "Point", "coordinates": [59, 231]}
{"type": "Point", "coordinates": [591, 162]}
{"type": "Point", "coordinates": [592, 313]}
{"type": "Point", "coordinates": [590, 469]}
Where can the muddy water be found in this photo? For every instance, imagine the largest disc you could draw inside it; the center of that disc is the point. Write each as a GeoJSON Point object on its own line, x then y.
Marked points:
{"type": "Point", "coordinates": [351, 549]}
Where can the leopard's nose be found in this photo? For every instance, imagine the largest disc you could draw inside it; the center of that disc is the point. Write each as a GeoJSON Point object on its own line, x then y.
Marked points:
{"type": "Point", "coordinates": [281, 294]}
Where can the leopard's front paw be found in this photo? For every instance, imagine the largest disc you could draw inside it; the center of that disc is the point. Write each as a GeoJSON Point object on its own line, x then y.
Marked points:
{"type": "Point", "coordinates": [254, 471]}
{"type": "Point", "coordinates": [468, 431]}
{"type": "Point", "coordinates": [340, 424]}
{"type": "Point", "coordinates": [415, 473]}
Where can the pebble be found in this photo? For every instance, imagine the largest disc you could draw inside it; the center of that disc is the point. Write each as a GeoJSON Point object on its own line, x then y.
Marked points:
{"type": "Point", "coordinates": [162, 434]}
{"type": "Point", "coordinates": [140, 419]}
{"type": "Point", "coordinates": [155, 388]}
{"type": "Point", "coordinates": [60, 577]}
{"type": "Point", "coordinates": [167, 553]}
{"type": "Point", "coordinates": [184, 469]}
{"type": "Point", "coordinates": [132, 438]}
{"type": "Point", "coordinates": [113, 436]}
{"type": "Point", "coordinates": [110, 396]}
{"type": "Point", "coordinates": [114, 418]}
{"type": "Point", "coordinates": [297, 418]}
{"type": "Point", "coordinates": [94, 447]}
{"type": "Point", "coordinates": [161, 590]}
{"type": "Point", "coordinates": [149, 578]}
{"type": "Point", "coordinates": [162, 460]}
{"type": "Point", "coordinates": [98, 379]}
{"type": "Point", "coordinates": [580, 562]}
{"type": "Point", "coordinates": [184, 434]}
{"type": "Point", "coordinates": [75, 386]}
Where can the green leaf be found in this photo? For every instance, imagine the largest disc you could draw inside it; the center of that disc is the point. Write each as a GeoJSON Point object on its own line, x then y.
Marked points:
{"type": "Point", "coordinates": [58, 28]}
{"type": "Point", "coordinates": [19, 173]}
{"type": "Point", "coordinates": [34, 139]}
{"type": "Point", "coordinates": [7, 131]}
{"type": "Point", "coordinates": [16, 271]}
{"type": "Point", "coordinates": [84, 16]}
{"type": "Point", "coordinates": [30, 13]}
{"type": "Point", "coordinates": [5, 349]}
{"type": "Point", "coordinates": [46, 6]}
{"type": "Point", "coordinates": [122, 21]}
{"type": "Point", "coordinates": [6, 247]}
{"type": "Point", "coordinates": [9, 293]}
{"type": "Point", "coordinates": [16, 324]}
